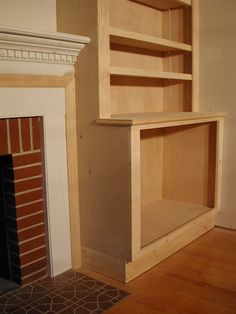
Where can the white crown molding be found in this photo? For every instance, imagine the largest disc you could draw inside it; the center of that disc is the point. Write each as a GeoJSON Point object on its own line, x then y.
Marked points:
{"type": "Point", "coordinates": [40, 47]}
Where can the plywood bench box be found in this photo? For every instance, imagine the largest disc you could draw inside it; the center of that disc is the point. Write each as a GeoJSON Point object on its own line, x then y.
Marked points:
{"type": "Point", "coordinates": [150, 163]}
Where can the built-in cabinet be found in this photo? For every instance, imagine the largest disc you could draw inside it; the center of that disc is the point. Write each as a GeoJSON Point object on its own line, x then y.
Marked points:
{"type": "Point", "coordinates": [150, 163]}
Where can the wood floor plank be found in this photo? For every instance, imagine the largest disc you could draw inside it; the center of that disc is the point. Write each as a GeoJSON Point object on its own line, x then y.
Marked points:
{"type": "Point", "coordinates": [200, 278]}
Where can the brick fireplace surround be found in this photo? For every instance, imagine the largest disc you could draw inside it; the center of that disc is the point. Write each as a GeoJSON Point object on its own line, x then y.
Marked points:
{"type": "Point", "coordinates": [38, 151]}
{"type": "Point", "coordinates": [23, 193]}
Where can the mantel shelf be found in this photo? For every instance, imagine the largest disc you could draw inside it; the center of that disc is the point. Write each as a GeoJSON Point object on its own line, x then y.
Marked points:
{"type": "Point", "coordinates": [158, 117]}
{"type": "Point", "coordinates": [123, 37]}
{"type": "Point", "coordinates": [164, 5]}
{"type": "Point", "coordinates": [121, 71]}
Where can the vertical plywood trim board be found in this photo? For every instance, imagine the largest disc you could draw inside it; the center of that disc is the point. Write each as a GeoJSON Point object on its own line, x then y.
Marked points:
{"type": "Point", "coordinates": [135, 192]}
{"type": "Point", "coordinates": [73, 182]}
{"type": "Point", "coordinates": [103, 59]}
{"type": "Point", "coordinates": [195, 56]}
{"type": "Point", "coordinates": [219, 159]}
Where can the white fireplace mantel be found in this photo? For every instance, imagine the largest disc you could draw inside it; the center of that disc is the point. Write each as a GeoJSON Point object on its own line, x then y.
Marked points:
{"type": "Point", "coordinates": [26, 51]}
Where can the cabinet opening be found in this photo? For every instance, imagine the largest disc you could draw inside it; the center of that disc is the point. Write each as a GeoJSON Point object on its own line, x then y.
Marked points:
{"type": "Point", "coordinates": [168, 22]}
{"type": "Point", "coordinates": [143, 95]}
{"type": "Point", "coordinates": [175, 61]}
{"type": "Point", "coordinates": [177, 177]}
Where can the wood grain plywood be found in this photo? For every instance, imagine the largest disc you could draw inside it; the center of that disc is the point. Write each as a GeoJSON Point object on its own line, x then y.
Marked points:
{"type": "Point", "coordinates": [189, 163]}
{"type": "Point", "coordinates": [130, 94]}
{"type": "Point", "coordinates": [121, 17]}
{"type": "Point", "coordinates": [163, 216]}
{"type": "Point", "coordinates": [151, 147]}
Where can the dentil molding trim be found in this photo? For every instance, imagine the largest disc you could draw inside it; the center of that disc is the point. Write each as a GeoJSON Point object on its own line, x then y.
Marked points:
{"type": "Point", "coordinates": [40, 47]}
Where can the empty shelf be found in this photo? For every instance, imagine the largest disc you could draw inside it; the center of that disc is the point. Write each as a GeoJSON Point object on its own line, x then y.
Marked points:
{"type": "Point", "coordinates": [127, 38]}
{"type": "Point", "coordinates": [122, 71]}
{"type": "Point", "coordinates": [163, 216]}
{"type": "Point", "coordinates": [164, 5]}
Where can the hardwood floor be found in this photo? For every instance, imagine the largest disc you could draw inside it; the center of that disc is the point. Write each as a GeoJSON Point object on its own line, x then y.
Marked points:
{"type": "Point", "coordinates": [201, 278]}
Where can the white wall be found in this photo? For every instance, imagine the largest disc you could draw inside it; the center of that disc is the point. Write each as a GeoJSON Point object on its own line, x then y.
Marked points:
{"type": "Point", "coordinates": [218, 88]}
{"type": "Point", "coordinates": [31, 14]}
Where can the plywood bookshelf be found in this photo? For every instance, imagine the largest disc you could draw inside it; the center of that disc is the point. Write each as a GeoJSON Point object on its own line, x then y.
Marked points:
{"type": "Point", "coordinates": [133, 39]}
{"type": "Point", "coordinates": [150, 167]}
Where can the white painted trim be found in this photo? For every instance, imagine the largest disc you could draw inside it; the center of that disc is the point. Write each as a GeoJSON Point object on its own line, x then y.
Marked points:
{"type": "Point", "coordinates": [40, 47]}
{"type": "Point", "coordinates": [49, 103]}
{"type": "Point", "coordinates": [45, 35]}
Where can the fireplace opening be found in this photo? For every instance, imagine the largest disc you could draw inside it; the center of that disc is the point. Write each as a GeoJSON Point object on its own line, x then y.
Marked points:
{"type": "Point", "coordinates": [23, 245]}
{"type": "Point", "coordinates": [6, 267]}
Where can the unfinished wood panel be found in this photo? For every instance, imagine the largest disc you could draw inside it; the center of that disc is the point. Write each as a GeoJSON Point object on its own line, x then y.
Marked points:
{"type": "Point", "coordinates": [170, 244]}
{"type": "Point", "coordinates": [177, 96]}
{"type": "Point", "coordinates": [141, 155]}
{"type": "Point", "coordinates": [91, 75]}
{"type": "Point", "coordinates": [151, 165]}
{"type": "Point", "coordinates": [135, 192]}
{"type": "Point", "coordinates": [219, 162]}
{"type": "Point", "coordinates": [134, 72]}
{"type": "Point", "coordinates": [189, 163]}
{"type": "Point", "coordinates": [128, 14]}
{"type": "Point", "coordinates": [150, 60]}
{"type": "Point", "coordinates": [105, 187]}
{"type": "Point", "coordinates": [129, 95]}
{"type": "Point", "coordinates": [163, 216]}
{"type": "Point", "coordinates": [195, 56]}
{"type": "Point", "coordinates": [103, 264]}
{"type": "Point", "coordinates": [177, 61]}
{"type": "Point", "coordinates": [177, 24]}
{"type": "Point", "coordinates": [103, 57]}
{"type": "Point", "coordinates": [134, 39]}
{"type": "Point", "coordinates": [132, 57]}
{"type": "Point", "coordinates": [72, 166]}
{"type": "Point", "coordinates": [166, 4]}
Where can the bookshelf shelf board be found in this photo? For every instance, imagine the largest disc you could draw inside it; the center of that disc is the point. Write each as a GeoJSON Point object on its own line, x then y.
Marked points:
{"type": "Point", "coordinates": [123, 71]}
{"type": "Point", "coordinates": [127, 38]}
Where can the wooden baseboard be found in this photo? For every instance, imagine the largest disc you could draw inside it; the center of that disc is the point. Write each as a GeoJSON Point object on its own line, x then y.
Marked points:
{"type": "Point", "coordinates": [103, 264]}
{"type": "Point", "coordinates": [150, 255]}
{"type": "Point", "coordinates": [170, 244]}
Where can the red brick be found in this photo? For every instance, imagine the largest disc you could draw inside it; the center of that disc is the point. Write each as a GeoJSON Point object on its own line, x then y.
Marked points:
{"type": "Point", "coordinates": [28, 197]}
{"type": "Point", "coordinates": [28, 185]}
{"type": "Point", "coordinates": [31, 233]}
{"type": "Point", "coordinates": [14, 135]}
{"type": "Point", "coordinates": [3, 135]}
{"type": "Point", "coordinates": [32, 244]}
{"type": "Point", "coordinates": [29, 269]}
{"type": "Point", "coordinates": [33, 256]}
{"type": "Point", "coordinates": [34, 277]}
{"type": "Point", "coordinates": [26, 159]}
{"type": "Point", "coordinates": [29, 209]}
{"type": "Point", "coordinates": [36, 127]}
{"type": "Point", "coordinates": [25, 133]}
{"type": "Point", "coordinates": [30, 221]}
{"type": "Point", "coordinates": [27, 172]}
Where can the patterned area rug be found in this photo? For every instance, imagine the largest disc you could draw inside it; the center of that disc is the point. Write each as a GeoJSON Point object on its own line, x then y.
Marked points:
{"type": "Point", "coordinates": [68, 293]}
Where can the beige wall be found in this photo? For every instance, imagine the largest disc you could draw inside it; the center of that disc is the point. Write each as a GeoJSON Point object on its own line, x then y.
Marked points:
{"type": "Point", "coordinates": [32, 14]}
{"type": "Point", "coordinates": [218, 88]}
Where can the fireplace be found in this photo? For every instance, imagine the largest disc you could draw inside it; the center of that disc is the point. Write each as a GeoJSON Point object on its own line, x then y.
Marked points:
{"type": "Point", "coordinates": [39, 190]}
{"type": "Point", "coordinates": [22, 199]}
